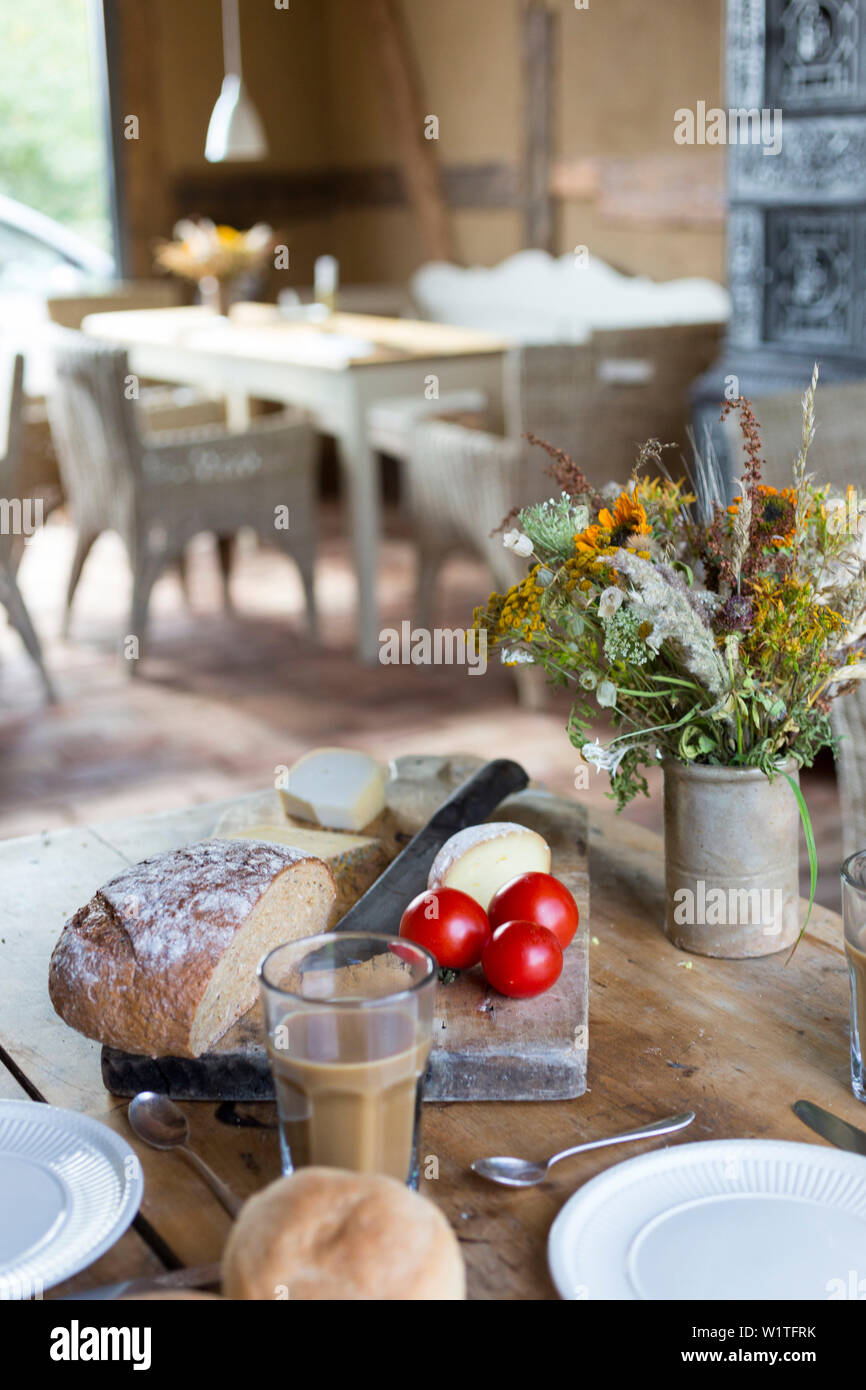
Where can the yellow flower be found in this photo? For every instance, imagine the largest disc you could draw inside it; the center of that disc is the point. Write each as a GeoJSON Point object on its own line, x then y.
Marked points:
{"type": "Point", "coordinates": [613, 528]}
{"type": "Point", "coordinates": [592, 541]}
{"type": "Point", "coordinates": [628, 518]}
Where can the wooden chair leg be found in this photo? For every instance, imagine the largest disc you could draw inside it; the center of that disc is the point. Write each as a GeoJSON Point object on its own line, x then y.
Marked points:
{"type": "Point", "coordinates": [182, 570]}
{"type": "Point", "coordinates": [20, 620]}
{"type": "Point", "coordinates": [145, 573]}
{"type": "Point", "coordinates": [425, 587]}
{"type": "Point", "coordinates": [305, 565]}
{"type": "Point", "coordinates": [303, 555]}
{"type": "Point", "coordinates": [83, 544]}
{"type": "Point", "coordinates": [225, 555]}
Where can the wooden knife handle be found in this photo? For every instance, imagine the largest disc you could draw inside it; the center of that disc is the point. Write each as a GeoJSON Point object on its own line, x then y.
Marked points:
{"type": "Point", "coordinates": [381, 907]}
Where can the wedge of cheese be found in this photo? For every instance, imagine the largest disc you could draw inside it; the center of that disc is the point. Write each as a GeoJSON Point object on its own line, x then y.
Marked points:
{"type": "Point", "coordinates": [480, 858]}
{"type": "Point", "coordinates": [356, 861]}
{"type": "Point", "coordinates": [337, 788]}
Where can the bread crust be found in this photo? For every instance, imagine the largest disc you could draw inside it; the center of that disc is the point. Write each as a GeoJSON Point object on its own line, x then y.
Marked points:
{"type": "Point", "coordinates": [131, 967]}
{"type": "Point", "coordinates": [327, 1234]}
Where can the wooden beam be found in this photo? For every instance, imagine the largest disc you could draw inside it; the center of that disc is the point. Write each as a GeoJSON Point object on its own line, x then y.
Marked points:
{"type": "Point", "coordinates": [144, 211]}
{"type": "Point", "coordinates": [682, 189]}
{"type": "Point", "coordinates": [419, 159]}
{"type": "Point", "coordinates": [538, 44]}
{"type": "Point", "coordinates": [245, 196]}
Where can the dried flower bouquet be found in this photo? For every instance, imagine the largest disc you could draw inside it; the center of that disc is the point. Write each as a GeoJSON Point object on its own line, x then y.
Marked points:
{"type": "Point", "coordinates": [718, 639]}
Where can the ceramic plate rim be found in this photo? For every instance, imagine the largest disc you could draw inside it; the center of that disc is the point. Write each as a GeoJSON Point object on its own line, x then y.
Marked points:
{"type": "Point", "coordinates": [593, 1193]}
{"type": "Point", "coordinates": [113, 1148]}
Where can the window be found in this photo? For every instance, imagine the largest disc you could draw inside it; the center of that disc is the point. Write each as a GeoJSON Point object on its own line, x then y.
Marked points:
{"type": "Point", "coordinates": [53, 154]}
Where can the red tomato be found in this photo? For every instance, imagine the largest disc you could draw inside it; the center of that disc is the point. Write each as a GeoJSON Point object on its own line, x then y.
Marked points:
{"type": "Point", "coordinates": [450, 924]}
{"type": "Point", "coordinates": [539, 898]}
{"type": "Point", "coordinates": [522, 959]}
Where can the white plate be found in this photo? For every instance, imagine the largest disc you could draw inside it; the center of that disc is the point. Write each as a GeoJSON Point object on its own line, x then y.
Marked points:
{"type": "Point", "coordinates": [728, 1219]}
{"type": "Point", "coordinates": [69, 1187]}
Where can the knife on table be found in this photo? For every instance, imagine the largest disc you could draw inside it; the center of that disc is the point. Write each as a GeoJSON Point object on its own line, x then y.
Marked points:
{"type": "Point", "coordinates": [830, 1127]}
{"type": "Point", "coordinates": [381, 907]}
{"type": "Point", "coordinates": [379, 910]}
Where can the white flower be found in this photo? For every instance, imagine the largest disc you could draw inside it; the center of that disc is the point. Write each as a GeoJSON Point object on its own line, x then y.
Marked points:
{"type": "Point", "coordinates": [603, 759]}
{"type": "Point", "coordinates": [606, 694]}
{"type": "Point", "coordinates": [610, 600]}
{"type": "Point", "coordinates": [516, 656]}
{"type": "Point", "coordinates": [516, 541]}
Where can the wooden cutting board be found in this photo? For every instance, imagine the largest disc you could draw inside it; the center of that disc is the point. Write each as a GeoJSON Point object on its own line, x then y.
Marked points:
{"type": "Point", "coordinates": [485, 1047]}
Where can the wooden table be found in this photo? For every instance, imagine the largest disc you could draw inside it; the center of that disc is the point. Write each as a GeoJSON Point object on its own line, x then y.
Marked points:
{"type": "Point", "coordinates": [736, 1041]}
{"type": "Point", "coordinates": [273, 359]}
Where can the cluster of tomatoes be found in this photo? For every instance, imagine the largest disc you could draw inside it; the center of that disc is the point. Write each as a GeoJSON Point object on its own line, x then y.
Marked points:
{"type": "Point", "coordinates": [518, 941]}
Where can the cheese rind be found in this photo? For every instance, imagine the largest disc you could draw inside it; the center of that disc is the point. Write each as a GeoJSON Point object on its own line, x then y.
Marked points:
{"type": "Point", "coordinates": [356, 861]}
{"type": "Point", "coordinates": [481, 858]}
{"type": "Point", "coordinates": [336, 788]}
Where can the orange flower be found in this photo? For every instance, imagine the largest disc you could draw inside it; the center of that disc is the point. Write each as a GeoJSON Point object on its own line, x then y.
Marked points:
{"type": "Point", "coordinates": [614, 528]}
{"type": "Point", "coordinates": [592, 541]}
{"type": "Point", "coordinates": [774, 515]}
{"type": "Point", "coordinates": [628, 518]}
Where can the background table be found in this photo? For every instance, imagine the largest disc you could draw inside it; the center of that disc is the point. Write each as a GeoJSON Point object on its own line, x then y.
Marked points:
{"type": "Point", "coordinates": [736, 1041]}
{"type": "Point", "coordinates": [273, 361]}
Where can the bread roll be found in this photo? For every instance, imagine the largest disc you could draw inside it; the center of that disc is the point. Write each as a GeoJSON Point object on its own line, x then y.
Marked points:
{"type": "Point", "coordinates": [162, 960]}
{"type": "Point", "coordinates": [327, 1234]}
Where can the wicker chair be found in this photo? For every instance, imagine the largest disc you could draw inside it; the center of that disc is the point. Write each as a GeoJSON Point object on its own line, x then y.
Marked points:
{"type": "Point", "coordinates": [598, 401]}
{"type": "Point", "coordinates": [640, 391]}
{"type": "Point", "coordinates": [158, 490]}
{"type": "Point", "coordinates": [11, 545]}
{"type": "Point", "coordinates": [462, 482]}
{"type": "Point", "coordinates": [835, 456]}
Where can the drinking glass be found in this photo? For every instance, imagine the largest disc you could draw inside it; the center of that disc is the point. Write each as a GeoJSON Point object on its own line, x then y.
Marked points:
{"type": "Point", "coordinates": [349, 1020]}
{"type": "Point", "coordinates": [854, 918]}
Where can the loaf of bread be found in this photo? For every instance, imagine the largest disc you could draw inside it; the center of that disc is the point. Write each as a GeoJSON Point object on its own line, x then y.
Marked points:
{"type": "Point", "coordinates": [162, 960]}
{"type": "Point", "coordinates": [332, 1235]}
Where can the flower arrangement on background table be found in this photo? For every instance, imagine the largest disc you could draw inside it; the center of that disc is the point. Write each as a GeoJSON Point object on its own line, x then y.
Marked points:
{"type": "Point", "coordinates": [214, 256]}
{"type": "Point", "coordinates": [716, 639]}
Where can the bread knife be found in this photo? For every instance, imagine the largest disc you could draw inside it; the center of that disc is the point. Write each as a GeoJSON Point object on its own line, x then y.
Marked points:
{"type": "Point", "coordinates": [830, 1127]}
{"type": "Point", "coordinates": [379, 910]}
{"type": "Point", "coordinates": [382, 906]}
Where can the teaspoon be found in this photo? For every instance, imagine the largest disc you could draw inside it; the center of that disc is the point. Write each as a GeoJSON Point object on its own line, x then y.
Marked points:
{"type": "Point", "coordinates": [162, 1124]}
{"type": "Point", "coordinates": [522, 1172]}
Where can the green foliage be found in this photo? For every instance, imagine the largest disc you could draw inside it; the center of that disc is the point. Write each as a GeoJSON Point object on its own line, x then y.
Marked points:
{"type": "Point", "coordinates": [52, 150]}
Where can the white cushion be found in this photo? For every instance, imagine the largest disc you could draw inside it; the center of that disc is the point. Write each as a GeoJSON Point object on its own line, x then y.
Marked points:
{"type": "Point", "coordinates": [535, 298]}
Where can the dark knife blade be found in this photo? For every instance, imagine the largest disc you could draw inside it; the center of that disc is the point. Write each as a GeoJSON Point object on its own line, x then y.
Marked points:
{"type": "Point", "coordinates": [379, 911]}
{"type": "Point", "coordinates": [381, 907]}
{"type": "Point", "coordinates": [830, 1127]}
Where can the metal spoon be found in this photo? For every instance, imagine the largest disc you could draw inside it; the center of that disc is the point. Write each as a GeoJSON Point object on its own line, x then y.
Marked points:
{"type": "Point", "coordinates": [521, 1172]}
{"type": "Point", "coordinates": [162, 1124]}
